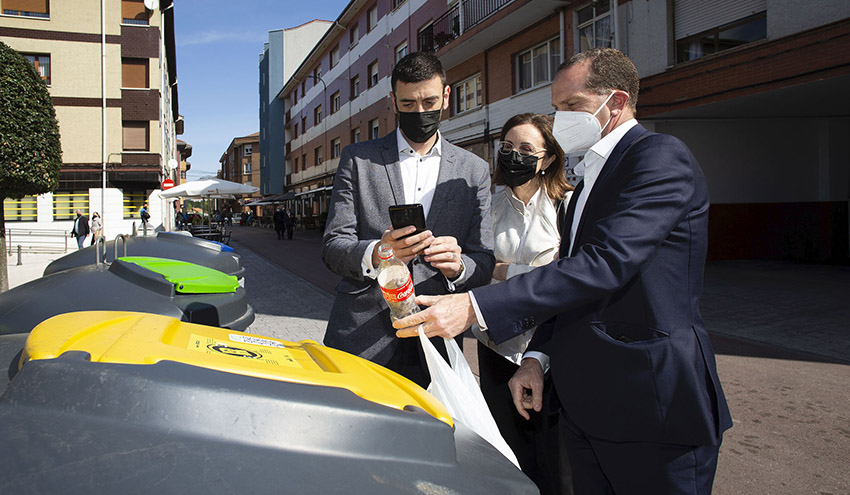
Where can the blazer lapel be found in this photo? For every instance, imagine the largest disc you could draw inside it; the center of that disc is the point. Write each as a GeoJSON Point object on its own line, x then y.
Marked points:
{"type": "Point", "coordinates": [610, 164]}
{"type": "Point", "coordinates": [389, 152]}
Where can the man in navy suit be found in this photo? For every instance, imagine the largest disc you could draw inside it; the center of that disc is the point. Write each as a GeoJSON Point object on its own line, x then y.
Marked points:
{"type": "Point", "coordinates": [619, 316]}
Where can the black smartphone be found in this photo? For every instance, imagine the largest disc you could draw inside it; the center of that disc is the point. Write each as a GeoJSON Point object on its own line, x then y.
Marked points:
{"type": "Point", "coordinates": [404, 215]}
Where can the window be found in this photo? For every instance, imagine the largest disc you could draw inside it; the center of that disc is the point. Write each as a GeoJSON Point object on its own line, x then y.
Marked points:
{"type": "Point", "coordinates": [355, 86]}
{"type": "Point", "coordinates": [335, 148]}
{"type": "Point", "coordinates": [317, 155]}
{"type": "Point", "coordinates": [721, 38]}
{"type": "Point", "coordinates": [335, 102]}
{"type": "Point", "coordinates": [136, 135]}
{"type": "Point", "coordinates": [134, 12]}
{"type": "Point", "coordinates": [468, 94]}
{"type": "Point", "coordinates": [41, 64]}
{"type": "Point", "coordinates": [374, 129]}
{"type": "Point", "coordinates": [303, 161]}
{"type": "Point", "coordinates": [426, 38]}
{"type": "Point", "coordinates": [354, 34]}
{"type": "Point", "coordinates": [334, 56]}
{"type": "Point", "coordinates": [133, 202]}
{"type": "Point", "coordinates": [396, 3]}
{"type": "Point", "coordinates": [295, 96]}
{"type": "Point", "coordinates": [66, 204]}
{"type": "Point", "coordinates": [372, 19]}
{"type": "Point", "coordinates": [302, 89]}
{"type": "Point", "coordinates": [248, 150]}
{"type": "Point", "coordinates": [595, 26]}
{"type": "Point", "coordinates": [20, 210]}
{"type": "Point", "coordinates": [246, 168]}
{"type": "Point", "coordinates": [295, 166]}
{"type": "Point", "coordinates": [135, 73]}
{"type": "Point", "coordinates": [27, 8]}
{"type": "Point", "coordinates": [317, 115]}
{"type": "Point", "coordinates": [400, 51]}
{"type": "Point", "coordinates": [303, 124]}
{"type": "Point", "coordinates": [373, 73]}
{"type": "Point", "coordinates": [538, 65]}
{"type": "Point", "coordinates": [355, 135]}
{"type": "Point", "coordinates": [317, 74]}
{"type": "Point", "coordinates": [295, 131]}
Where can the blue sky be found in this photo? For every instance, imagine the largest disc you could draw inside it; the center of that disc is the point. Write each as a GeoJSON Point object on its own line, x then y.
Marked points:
{"type": "Point", "coordinates": [218, 47]}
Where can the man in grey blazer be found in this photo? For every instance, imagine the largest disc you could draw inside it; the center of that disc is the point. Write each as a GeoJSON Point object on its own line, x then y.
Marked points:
{"type": "Point", "coordinates": [412, 164]}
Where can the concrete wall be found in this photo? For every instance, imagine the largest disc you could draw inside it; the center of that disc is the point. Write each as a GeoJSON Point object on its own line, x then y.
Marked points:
{"type": "Point", "coordinates": [786, 17]}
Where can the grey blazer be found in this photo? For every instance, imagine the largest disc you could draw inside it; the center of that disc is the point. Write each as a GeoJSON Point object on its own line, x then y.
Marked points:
{"type": "Point", "coordinates": [368, 175]}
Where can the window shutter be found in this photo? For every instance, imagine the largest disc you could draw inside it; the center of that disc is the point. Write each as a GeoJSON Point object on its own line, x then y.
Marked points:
{"type": "Point", "coordinates": [39, 6]}
{"type": "Point", "coordinates": [691, 17]}
{"type": "Point", "coordinates": [134, 73]}
{"type": "Point", "coordinates": [133, 9]}
{"type": "Point", "coordinates": [136, 136]}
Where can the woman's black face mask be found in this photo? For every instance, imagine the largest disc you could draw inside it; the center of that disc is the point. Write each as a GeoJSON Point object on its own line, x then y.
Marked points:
{"type": "Point", "coordinates": [517, 169]}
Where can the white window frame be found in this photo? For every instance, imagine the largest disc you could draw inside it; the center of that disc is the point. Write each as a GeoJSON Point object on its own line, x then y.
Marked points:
{"type": "Point", "coordinates": [335, 148]}
{"type": "Point", "coordinates": [401, 50]}
{"type": "Point", "coordinates": [374, 129]}
{"type": "Point", "coordinates": [355, 135]}
{"type": "Point", "coordinates": [372, 18]}
{"type": "Point", "coordinates": [374, 77]}
{"type": "Point", "coordinates": [354, 35]}
{"type": "Point", "coordinates": [355, 86]}
{"type": "Point", "coordinates": [335, 103]}
{"type": "Point", "coordinates": [593, 22]}
{"type": "Point", "coordinates": [246, 168]}
{"type": "Point", "coordinates": [551, 64]}
{"type": "Point", "coordinates": [461, 89]}
{"type": "Point", "coordinates": [247, 150]}
{"type": "Point", "coordinates": [334, 56]}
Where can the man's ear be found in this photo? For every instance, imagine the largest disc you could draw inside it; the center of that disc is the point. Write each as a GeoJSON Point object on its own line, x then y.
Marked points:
{"type": "Point", "coordinates": [620, 99]}
{"type": "Point", "coordinates": [447, 92]}
{"type": "Point", "coordinates": [392, 99]}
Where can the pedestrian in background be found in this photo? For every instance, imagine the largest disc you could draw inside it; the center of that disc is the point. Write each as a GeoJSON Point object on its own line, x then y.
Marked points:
{"type": "Point", "coordinates": [145, 216]}
{"type": "Point", "coordinates": [279, 222]}
{"type": "Point", "coordinates": [289, 221]}
{"type": "Point", "coordinates": [96, 227]}
{"type": "Point", "coordinates": [80, 229]}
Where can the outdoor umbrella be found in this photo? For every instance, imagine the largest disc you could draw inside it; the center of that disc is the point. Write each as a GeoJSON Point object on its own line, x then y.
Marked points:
{"type": "Point", "coordinates": [210, 187]}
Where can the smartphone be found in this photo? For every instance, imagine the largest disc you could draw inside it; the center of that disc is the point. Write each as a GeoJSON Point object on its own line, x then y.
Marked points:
{"type": "Point", "coordinates": [404, 215]}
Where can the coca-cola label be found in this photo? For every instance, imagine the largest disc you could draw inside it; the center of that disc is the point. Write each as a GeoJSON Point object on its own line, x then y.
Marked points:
{"type": "Point", "coordinates": [400, 294]}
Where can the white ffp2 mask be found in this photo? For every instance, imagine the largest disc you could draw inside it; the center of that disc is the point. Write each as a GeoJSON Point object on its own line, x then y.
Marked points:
{"type": "Point", "coordinates": [578, 131]}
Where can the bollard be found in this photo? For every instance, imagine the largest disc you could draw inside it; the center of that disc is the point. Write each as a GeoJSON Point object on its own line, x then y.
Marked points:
{"type": "Point", "coordinates": [19, 255]}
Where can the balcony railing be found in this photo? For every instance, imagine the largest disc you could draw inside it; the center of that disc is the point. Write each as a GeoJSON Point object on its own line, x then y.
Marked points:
{"type": "Point", "coordinates": [457, 21]}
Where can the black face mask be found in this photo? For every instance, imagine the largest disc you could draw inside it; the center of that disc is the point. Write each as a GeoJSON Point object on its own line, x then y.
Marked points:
{"type": "Point", "coordinates": [517, 169]}
{"type": "Point", "coordinates": [419, 126]}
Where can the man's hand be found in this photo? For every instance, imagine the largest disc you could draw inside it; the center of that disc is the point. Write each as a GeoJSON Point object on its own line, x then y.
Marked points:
{"type": "Point", "coordinates": [446, 317]}
{"type": "Point", "coordinates": [405, 249]}
{"type": "Point", "coordinates": [444, 255]}
{"type": "Point", "coordinates": [527, 387]}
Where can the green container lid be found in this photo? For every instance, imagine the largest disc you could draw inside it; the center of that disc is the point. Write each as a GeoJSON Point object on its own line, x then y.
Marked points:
{"type": "Point", "coordinates": [188, 278]}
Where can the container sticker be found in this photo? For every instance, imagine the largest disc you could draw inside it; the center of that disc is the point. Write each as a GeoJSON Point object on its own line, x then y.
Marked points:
{"type": "Point", "coordinates": [269, 355]}
{"type": "Point", "coordinates": [249, 339]}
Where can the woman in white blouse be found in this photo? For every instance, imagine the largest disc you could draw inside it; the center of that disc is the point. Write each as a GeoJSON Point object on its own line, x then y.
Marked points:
{"type": "Point", "coordinates": [531, 188]}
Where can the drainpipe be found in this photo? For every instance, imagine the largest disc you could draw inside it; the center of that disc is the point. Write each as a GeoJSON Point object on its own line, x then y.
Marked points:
{"type": "Point", "coordinates": [103, 113]}
{"type": "Point", "coordinates": [563, 28]}
{"type": "Point", "coordinates": [616, 21]}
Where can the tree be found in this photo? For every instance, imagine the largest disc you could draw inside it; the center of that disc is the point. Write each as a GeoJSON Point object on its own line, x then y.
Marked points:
{"type": "Point", "coordinates": [30, 152]}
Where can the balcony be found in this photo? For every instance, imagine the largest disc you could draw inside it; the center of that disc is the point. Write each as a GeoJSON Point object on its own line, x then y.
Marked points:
{"type": "Point", "coordinates": [456, 21]}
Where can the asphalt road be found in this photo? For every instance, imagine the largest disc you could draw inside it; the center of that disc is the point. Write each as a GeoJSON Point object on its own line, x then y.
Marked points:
{"type": "Point", "coordinates": [782, 337]}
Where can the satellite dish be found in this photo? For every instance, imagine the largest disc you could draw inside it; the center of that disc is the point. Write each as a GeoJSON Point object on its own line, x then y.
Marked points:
{"type": "Point", "coordinates": [151, 4]}
{"type": "Point", "coordinates": [172, 163]}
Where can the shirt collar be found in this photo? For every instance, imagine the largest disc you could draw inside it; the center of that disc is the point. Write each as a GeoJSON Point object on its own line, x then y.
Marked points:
{"type": "Point", "coordinates": [404, 147]}
{"type": "Point", "coordinates": [605, 145]}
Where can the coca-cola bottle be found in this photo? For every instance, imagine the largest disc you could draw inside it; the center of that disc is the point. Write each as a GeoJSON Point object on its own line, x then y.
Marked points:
{"type": "Point", "coordinates": [396, 284]}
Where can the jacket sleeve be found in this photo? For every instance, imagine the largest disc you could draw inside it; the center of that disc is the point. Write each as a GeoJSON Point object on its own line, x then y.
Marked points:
{"type": "Point", "coordinates": [651, 199]}
{"type": "Point", "coordinates": [342, 248]}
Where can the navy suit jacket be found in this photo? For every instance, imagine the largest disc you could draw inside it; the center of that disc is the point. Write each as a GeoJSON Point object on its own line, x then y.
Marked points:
{"type": "Point", "coordinates": [630, 357]}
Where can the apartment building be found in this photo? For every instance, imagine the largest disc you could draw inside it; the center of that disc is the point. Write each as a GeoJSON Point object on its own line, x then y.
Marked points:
{"type": "Point", "coordinates": [282, 54]}
{"type": "Point", "coordinates": [112, 76]}
{"type": "Point", "coordinates": [746, 84]}
{"type": "Point", "coordinates": [240, 161]}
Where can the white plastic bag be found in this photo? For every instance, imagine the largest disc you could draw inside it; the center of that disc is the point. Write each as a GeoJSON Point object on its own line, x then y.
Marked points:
{"type": "Point", "coordinates": [456, 388]}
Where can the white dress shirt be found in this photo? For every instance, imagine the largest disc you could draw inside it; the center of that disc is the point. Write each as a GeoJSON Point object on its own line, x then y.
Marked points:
{"type": "Point", "coordinates": [419, 180]}
{"type": "Point", "coordinates": [590, 167]}
{"type": "Point", "coordinates": [526, 236]}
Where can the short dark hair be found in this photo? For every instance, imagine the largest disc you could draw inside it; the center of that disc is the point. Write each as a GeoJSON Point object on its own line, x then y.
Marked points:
{"type": "Point", "coordinates": [417, 67]}
{"type": "Point", "coordinates": [554, 180]}
{"type": "Point", "coordinates": [609, 69]}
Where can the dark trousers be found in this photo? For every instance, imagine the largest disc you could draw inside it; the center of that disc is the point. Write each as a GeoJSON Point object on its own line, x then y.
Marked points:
{"type": "Point", "coordinates": [638, 468]}
{"type": "Point", "coordinates": [536, 442]}
{"type": "Point", "coordinates": [409, 359]}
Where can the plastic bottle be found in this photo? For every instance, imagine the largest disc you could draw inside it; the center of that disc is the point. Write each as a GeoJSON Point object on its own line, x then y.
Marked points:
{"type": "Point", "coordinates": [396, 284]}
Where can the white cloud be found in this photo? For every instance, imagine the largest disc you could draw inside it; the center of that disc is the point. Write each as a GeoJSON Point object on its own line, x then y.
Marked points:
{"type": "Point", "coordinates": [214, 36]}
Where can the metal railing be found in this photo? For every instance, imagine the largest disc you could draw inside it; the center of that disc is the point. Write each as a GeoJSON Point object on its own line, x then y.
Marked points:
{"type": "Point", "coordinates": [457, 21]}
{"type": "Point", "coordinates": [37, 240]}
